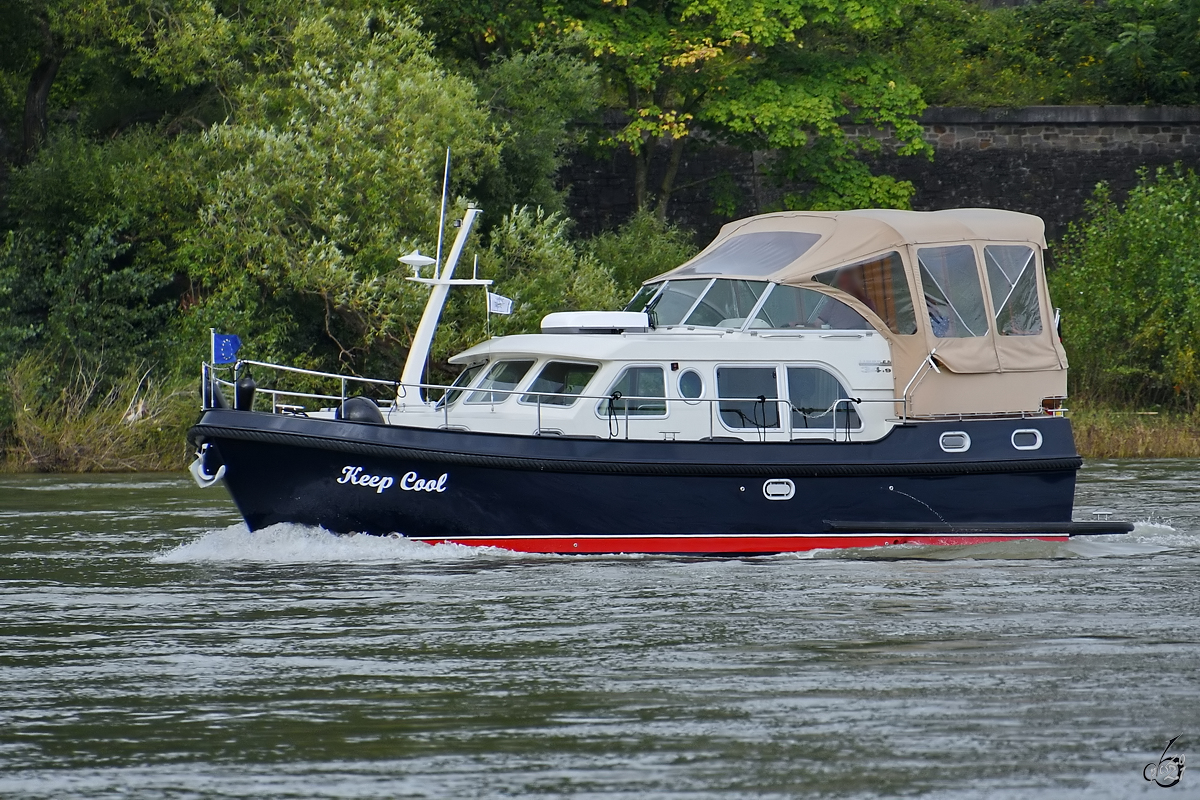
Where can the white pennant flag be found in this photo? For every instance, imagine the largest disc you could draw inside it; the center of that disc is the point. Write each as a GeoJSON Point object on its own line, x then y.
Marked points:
{"type": "Point", "coordinates": [499, 304]}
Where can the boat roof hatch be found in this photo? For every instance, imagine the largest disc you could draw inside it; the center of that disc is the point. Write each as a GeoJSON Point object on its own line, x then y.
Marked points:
{"type": "Point", "coordinates": [596, 322]}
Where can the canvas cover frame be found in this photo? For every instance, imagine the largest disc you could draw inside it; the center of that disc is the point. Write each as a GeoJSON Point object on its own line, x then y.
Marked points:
{"type": "Point", "coordinates": [981, 374]}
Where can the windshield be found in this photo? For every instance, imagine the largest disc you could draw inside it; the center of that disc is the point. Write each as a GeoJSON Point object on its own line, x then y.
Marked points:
{"type": "Point", "coordinates": [718, 303]}
{"type": "Point", "coordinates": [675, 301]}
{"type": "Point", "coordinates": [643, 297]}
{"type": "Point", "coordinates": [727, 303]}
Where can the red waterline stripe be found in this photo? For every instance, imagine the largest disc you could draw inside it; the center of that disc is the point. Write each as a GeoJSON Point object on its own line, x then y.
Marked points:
{"type": "Point", "coordinates": [721, 544]}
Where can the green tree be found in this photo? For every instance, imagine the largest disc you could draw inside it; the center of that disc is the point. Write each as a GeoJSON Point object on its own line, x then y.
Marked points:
{"type": "Point", "coordinates": [641, 248]}
{"type": "Point", "coordinates": [779, 75]}
{"type": "Point", "coordinates": [327, 175]}
{"type": "Point", "coordinates": [86, 273]}
{"type": "Point", "coordinates": [537, 99]}
{"type": "Point", "coordinates": [532, 259]}
{"type": "Point", "coordinates": [1122, 51]}
{"type": "Point", "coordinates": [963, 54]}
{"type": "Point", "coordinates": [1129, 287]}
{"type": "Point", "coordinates": [759, 75]}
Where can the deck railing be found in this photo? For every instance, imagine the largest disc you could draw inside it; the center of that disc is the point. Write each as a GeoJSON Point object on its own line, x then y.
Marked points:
{"type": "Point", "coordinates": [618, 410]}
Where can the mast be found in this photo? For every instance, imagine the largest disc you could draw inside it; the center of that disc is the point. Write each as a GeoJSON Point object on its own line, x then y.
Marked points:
{"type": "Point", "coordinates": [418, 353]}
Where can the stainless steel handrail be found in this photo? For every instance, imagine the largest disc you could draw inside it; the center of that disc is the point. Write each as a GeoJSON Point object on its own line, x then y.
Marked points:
{"type": "Point", "coordinates": [762, 430]}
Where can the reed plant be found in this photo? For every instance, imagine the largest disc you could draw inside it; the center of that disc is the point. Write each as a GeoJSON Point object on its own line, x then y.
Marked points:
{"type": "Point", "coordinates": [1106, 431]}
{"type": "Point", "coordinates": [94, 423]}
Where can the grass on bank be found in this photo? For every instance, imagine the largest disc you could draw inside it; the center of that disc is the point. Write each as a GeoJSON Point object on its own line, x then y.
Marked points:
{"type": "Point", "coordinates": [132, 424]}
{"type": "Point", "coordinates": [1103, 431]}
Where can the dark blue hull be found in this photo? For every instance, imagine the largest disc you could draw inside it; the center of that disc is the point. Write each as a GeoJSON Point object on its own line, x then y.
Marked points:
{"type": "Point", "coordinates": [559, 494]}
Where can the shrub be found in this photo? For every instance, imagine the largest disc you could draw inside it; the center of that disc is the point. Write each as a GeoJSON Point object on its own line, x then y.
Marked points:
{"type": "Point", "coordinates": [1128, 282]}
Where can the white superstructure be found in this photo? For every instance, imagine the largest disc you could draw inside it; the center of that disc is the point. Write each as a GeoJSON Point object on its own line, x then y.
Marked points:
{"type": "Point", "coordinates": [795, 326]}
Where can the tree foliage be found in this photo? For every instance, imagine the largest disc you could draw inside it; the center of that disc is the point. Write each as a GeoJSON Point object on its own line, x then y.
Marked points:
{"type": "Point", "coordinates": [1050, 52]}
{"type": "Point", "coordinates": [327, 176]}
{"type": "Point", "coordinates": [779, 75]}
{"type": "Point", "coordinates": [1121, 51]}
{"type": "Point", "coordinates": [167, 166]}
{"type": "Point", "coordinates": [533, 260]}
{"type": "Point", "coordinates": [1128, 282]}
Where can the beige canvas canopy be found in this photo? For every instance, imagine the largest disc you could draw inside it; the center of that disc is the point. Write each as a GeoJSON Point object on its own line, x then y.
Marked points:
{"type": "Point", "coordinates": [965, 285]}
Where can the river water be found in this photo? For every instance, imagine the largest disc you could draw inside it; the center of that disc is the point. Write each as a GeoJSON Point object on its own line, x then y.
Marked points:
{"type": "Point", "coordinates": [152, 647]}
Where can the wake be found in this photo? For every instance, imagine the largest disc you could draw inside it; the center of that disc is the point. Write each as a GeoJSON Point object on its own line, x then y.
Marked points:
{"type": "Point", "coordinates": [289, 543]}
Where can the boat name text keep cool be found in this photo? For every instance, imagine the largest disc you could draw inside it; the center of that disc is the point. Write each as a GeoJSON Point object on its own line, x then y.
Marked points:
{"type": "Point", "coordinates": [411, 482]}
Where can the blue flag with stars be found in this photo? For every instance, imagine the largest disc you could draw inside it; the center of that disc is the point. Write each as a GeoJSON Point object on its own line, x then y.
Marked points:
{"type": "Point", "coordinates": [225, 347]}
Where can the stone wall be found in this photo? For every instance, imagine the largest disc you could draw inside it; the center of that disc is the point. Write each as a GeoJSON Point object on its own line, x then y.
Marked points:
{"type": "Point", "coordinates": [1044, 160]}
{"type": "Point", "coordinates": [1129, 130]}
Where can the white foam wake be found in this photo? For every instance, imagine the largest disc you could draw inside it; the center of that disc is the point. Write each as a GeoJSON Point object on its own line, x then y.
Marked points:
{"type": "Point", "coordinates": [290, 543]}
{"type": "Point", "coordinates": [1147, 537]}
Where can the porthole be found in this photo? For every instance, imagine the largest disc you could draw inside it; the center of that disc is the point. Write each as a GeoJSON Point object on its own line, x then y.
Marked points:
{"type": "Point", "coordinates": [955, 441]}
{"type": "Point", "coordinates": [691, 385]}
{"type": "Point", "coordinates": [1027, 439]}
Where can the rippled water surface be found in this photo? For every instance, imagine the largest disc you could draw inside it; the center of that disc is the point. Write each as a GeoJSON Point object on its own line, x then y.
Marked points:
{"type": "Point", "coordinates": [152, 647]}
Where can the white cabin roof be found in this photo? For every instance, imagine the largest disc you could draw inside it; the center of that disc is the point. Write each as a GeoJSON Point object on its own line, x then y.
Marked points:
{"type": "Point", "coordinates": [678, 344]}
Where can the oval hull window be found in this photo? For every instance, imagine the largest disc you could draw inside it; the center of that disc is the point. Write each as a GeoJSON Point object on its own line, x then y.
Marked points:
{"type": "Point", "coordinates": [1027, 439]}
{"type": "Point", "coordinates": [691, 386]}
{"type": "Point", "coordinates": [955, 441]}
{"type": "Point", "coordinates": [779, 489]}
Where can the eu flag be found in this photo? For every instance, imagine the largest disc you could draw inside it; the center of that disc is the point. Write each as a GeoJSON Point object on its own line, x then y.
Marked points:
{"type": "Point", "coordinates": [225, 347]}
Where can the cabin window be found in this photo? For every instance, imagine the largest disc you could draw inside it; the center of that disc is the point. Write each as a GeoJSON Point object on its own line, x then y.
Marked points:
{"type": "Point", "coordinates": [691, 385]}
{"type": "Point", "coordinates": [504, 375]}
{"type": "Point", "coordinates": [559, 378]}
{"type": "Point", "coordinates": [881, 285]}
{"type": "Point", "coordinates": [748, 397]}
{"type": "Point", "coordinates": [727, 303]}
{"type": "Point", "coordinates": [464, 379]}
{"type": "Point", "coordinates": [760, 253]}
{"type": "Point", "coordinates": [642, 390]}
{"type": "Point", "coordinates": [793, 307]}
{"type": "Point", "coordinates": [813, 393]}
{"type": "Point", "coordinates": [953, 297]}
{"type": "Point", "coordinates": [675, 301]}
{"type": "Point", "coordinates": [1012, 278]}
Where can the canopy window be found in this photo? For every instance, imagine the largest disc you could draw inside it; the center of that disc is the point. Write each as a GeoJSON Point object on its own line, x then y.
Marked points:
{"type": "Point", "coordinates": [504, 375]}
{"type": "Point", "coordinates": [880, 284]}
{"type": "Point", "coordinates": [639, 390]}
{"type": "Point", "coordinates": [794, 307]}
{"type": "Point", "coordinates": [813, 393]}
{"type": "Point", "coordinates": [761, 253]}
{"type": "Point", "coordinates": [1012, 278]}
{"type": "Point", "coordinates": [756, 392]}
{"type": "Point", "coordinates": [559, 378]}
{"type": "Point", "coordinates": [727, 303]}
{"type": "Point", "coordinates": [953, 297]}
